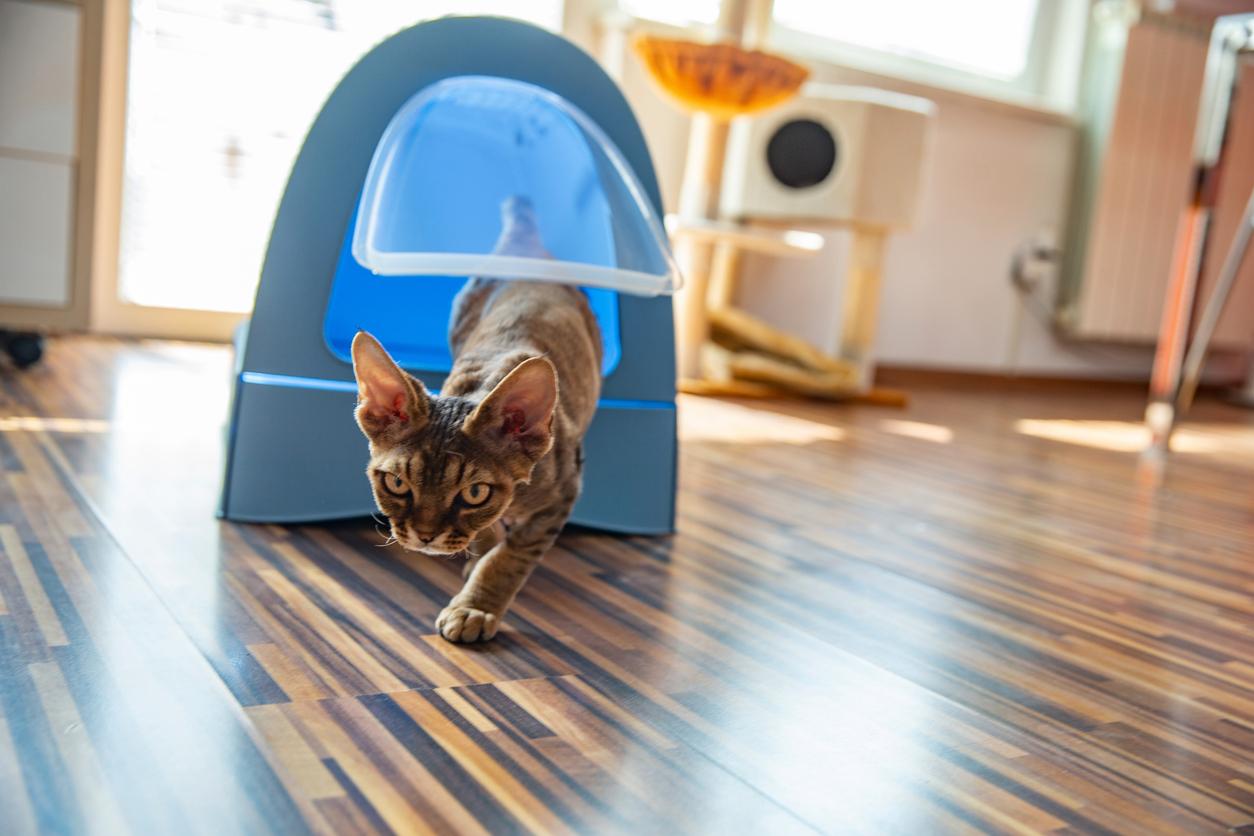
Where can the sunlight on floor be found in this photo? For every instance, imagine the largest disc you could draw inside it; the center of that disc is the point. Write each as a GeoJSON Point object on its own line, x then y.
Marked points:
{"type": "Point", "coordinates": [703, 419]}
{"type": "Point", "coordinates": [30, 423]}
{"type": "Point", "coordinates": [1133, 437]}
{"type": "Point", "coordinates": [917, 429]}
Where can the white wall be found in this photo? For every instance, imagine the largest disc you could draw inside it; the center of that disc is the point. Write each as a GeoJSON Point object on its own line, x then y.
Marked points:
{"type": "Point", "coordinates": [998, 176]}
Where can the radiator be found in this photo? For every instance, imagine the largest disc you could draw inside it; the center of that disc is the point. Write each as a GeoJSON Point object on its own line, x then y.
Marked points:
{"type": "Point", "coordinates": [1142, 182]}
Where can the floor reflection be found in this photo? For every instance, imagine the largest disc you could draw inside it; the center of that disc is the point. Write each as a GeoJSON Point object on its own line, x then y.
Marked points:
{"type": "Point", "coordinates": [1134, 437]}
{"type": "Point", "coordinates": [921, 627]}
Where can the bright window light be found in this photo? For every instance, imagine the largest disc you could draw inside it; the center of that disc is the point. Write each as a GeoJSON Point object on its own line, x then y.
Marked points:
{"type": "Point", "coordinates": [987, 37]}
{"type": "Point", "coordinates": [221, 96]}
{"type": "Point", "coordinates": [677, 12]}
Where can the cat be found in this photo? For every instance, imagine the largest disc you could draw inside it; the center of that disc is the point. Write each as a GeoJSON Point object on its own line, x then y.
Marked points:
{"type": "Point", "coordinates": [492, 466]}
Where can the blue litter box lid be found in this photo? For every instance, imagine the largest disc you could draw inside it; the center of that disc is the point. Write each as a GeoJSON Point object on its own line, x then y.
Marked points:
{"type": "Point", "coordinates": [485, 176]}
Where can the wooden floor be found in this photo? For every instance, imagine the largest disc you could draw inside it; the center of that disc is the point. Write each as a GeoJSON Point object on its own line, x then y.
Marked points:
{"type": "Point", "coordinates": [979, 614]}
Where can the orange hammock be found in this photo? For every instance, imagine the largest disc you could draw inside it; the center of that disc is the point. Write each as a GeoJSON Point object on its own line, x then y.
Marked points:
{"type": "Point", "coordinates": [722, 80]}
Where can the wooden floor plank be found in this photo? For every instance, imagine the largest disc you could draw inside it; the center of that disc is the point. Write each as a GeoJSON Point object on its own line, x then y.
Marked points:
{"type": "Point", "coordinates": [984, 613]}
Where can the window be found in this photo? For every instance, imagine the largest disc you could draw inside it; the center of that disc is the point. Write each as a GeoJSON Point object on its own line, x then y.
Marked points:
{"type": "Point", "coordinates": [675, 12]}
{"type": "Point", "coordinates": [988, 37]}
{"type": "Point", "coordinates": [1022, 50]}
{"type": "Point", "coordinates": [221, 94]}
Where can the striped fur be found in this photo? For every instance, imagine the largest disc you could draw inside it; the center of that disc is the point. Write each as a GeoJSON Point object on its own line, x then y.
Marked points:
{"type": "Point", "coordinates": [509, 423]}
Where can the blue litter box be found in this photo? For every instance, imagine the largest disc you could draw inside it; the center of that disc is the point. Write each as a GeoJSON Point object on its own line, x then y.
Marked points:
{"type": "Point", "coordinates": [393, 202]}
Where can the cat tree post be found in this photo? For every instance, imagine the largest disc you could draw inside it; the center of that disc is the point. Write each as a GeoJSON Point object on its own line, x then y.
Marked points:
{"type": "Point", "coordinates": [698, 198]}
{"type": "Point", "coordinates": [862, 298]}
{"type": "Point", "coordinates": [697, 76]}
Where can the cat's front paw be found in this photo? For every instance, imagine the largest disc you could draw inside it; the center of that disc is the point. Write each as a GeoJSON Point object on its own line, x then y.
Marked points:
{"type": "Point", "coordinates": [460, 623]}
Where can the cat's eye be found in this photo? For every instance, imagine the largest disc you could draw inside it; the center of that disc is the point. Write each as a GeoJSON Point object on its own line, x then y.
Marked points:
{"type": "Point", "coordinates": [476, 494]}
{"type": "Point", "coordinates": [395, 485]}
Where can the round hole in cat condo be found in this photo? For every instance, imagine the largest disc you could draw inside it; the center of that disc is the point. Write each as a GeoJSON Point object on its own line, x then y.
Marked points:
{"type": "Point", "coordinates": [491, 177]}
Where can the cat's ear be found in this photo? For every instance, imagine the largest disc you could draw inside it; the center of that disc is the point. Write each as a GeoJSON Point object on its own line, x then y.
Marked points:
{"type": "Point", "coordinates": [388, 399]}
{"type": "Point", "coordinates": [519, 411]}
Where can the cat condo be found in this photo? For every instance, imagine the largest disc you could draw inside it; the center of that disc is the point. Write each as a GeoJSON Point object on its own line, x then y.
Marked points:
{"type": "Point", "coordinates": [395, 200]}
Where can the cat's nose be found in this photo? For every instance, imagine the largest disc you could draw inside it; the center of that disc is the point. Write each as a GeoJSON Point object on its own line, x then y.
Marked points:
{"type": "Point", "coordinates": [424, 537]}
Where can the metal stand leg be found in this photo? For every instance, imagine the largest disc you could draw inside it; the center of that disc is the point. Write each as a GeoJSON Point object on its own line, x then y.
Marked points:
{"type": "Point", "coordinates": [1173, 334]}
{"type": "Point", "coordinates": [1215, 308]}
{"type": "Point", "coordinates": [1175, 375]}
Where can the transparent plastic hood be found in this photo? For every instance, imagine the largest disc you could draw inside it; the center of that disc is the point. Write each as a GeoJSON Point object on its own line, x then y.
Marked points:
{"type": "Point", "coordinates": [481, 176]}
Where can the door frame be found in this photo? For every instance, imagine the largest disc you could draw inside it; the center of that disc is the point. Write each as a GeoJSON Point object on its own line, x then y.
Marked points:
{"type": "Point", "coordinates": [110, 313]}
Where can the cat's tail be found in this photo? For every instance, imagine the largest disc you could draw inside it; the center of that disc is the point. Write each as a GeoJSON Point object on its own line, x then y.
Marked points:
{"type": "Point", "coordinates": [520, 232]}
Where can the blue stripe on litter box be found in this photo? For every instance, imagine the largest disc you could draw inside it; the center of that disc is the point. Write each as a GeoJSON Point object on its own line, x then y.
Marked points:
{"type": "Point", "coordinates": [293, 382]}
{"type": "Point", "coordinates": [297, 382]}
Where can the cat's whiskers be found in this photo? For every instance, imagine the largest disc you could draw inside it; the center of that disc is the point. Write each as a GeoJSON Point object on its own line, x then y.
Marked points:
{"type": "Point", "coordinates": [389, 539]}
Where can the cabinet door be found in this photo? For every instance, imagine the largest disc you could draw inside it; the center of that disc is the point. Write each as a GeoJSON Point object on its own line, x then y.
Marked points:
{"type": "Point", "coordinates": [36, 230]}
{"type": "Point", "coordinates": [38, 76]}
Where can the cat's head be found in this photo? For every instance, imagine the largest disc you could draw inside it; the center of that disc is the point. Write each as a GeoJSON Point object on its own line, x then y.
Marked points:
{"type": "Point", "coordinates": [444, 469]}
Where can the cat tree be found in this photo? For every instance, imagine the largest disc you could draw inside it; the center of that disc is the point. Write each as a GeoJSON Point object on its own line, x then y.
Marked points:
{"type": "Point", "coordinates": [723, 349]}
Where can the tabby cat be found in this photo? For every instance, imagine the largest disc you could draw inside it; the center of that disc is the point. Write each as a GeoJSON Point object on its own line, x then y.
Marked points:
{"type": "Point", "coordinates": [491, 467]}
